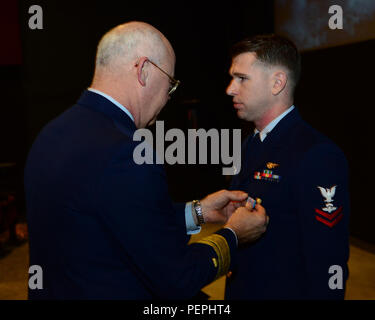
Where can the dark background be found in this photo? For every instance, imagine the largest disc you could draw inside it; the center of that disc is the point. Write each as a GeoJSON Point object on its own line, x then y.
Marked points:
{"type": "Point", "coordinates": [46, 73]}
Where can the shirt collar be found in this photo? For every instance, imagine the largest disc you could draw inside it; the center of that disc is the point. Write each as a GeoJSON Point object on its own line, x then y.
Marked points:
{"type": "Point", "coordinates": [115, 102]}
{"type": "Point", "coordinates": [272, 124]}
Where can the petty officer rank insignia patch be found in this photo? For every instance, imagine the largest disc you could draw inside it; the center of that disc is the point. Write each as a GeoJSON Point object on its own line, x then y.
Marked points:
{"type": "Point", "coordinates": [329, 215]}
{"type": "Point", "coordinates": [267, 175]}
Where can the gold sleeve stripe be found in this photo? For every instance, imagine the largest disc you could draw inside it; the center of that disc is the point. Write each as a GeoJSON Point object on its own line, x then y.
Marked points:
{"type": "Point", "coordinates": [220, 245]}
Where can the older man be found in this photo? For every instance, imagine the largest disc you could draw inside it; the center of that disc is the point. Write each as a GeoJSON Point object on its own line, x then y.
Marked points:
{"type": "Point", "coordinates": [102, 226]}
{"type": "Point", "coordinates": [300, 175]}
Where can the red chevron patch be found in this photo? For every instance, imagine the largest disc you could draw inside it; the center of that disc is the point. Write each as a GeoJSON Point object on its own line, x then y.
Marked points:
{"type": "Point", "coordinates": [331, 217]}
{"type": "Point", "coordinates": [329, 224]}
{"type": "Point", "coordinates": [327, 215]}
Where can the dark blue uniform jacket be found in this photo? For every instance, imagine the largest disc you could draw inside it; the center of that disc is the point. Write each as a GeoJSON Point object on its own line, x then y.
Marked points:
{"type": "Point", "coordinates": [101, 226]}
{"type": "Point", "coordinates": [302, 178]}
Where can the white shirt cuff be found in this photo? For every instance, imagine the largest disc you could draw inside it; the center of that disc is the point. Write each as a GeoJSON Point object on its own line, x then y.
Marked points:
{"type": "Point", "coordinates": [191, 227]}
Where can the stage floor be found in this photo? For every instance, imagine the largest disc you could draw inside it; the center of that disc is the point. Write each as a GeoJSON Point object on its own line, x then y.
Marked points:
{"type": "Point", "coordinates": [360, 286]}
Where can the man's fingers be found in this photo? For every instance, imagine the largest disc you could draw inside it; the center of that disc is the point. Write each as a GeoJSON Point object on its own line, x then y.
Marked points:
{"type": "Point", "coordinates": [236, 195]}
{"type": "Point", "coordinates": [248, 205]}
{"type": "Point", "coordinates": [260, 209]}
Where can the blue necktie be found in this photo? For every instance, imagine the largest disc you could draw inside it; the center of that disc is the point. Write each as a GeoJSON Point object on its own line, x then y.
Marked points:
{"type": "Point", "coordinates": [254, 146]}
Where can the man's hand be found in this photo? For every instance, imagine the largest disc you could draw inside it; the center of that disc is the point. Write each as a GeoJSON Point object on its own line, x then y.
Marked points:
{"type": "Point", "coordinates": [218, 207]}
{"type": "Point", "coordinates": [248, 224]}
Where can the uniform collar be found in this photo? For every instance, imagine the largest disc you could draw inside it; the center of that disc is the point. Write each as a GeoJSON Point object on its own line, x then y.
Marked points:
{"type": "Point", "coordinates": [114, 101]}
{"type": "Point", "coordinates": [105, 106]}
{"type": "Point", "coordinates": [263, 134]}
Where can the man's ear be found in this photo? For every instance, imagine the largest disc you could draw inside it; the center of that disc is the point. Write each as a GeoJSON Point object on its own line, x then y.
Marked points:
{"type": "Point", "coordinates": [141, 72]}
{"type": "Point", "coordinates": [279, 81]}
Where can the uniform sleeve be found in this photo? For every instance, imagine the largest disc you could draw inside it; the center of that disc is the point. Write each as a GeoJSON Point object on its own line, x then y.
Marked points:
{"type": "Point", "coordinates": [136, 210]}
{"type": "Point", "coordinates": [323, 208]}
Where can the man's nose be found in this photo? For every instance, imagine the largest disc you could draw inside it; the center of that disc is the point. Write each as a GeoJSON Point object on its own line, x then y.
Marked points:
{"type": "Point", "coordinates": [230, 89]}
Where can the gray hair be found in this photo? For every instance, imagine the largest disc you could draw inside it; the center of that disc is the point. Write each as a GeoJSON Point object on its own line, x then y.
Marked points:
{"type": "Point", "coordinates": [128, 41]}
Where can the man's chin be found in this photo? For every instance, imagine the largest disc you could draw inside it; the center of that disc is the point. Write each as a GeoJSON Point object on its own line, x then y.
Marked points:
{"type": "Point", "coordinates": [241, 115]}
{"type": "Point", "coordinates": [244, 115]}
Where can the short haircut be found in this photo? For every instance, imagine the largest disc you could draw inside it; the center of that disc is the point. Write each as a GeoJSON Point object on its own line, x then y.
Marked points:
{"type": "Point", "coordinates": [273, 50]}
{"type": "Point", "coordinates": [128, 41]}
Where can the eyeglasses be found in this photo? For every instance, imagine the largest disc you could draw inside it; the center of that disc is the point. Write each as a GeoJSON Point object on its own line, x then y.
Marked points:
{"type": "Point", "coordinates": [174, 83]}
